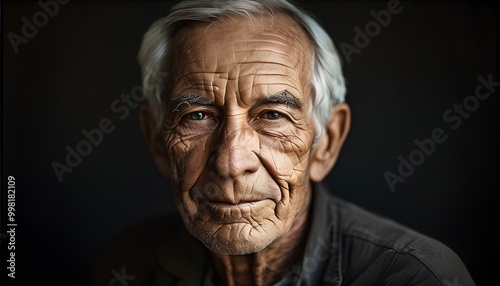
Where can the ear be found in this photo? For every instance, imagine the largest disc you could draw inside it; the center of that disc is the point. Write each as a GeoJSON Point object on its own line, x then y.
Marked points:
{"type": "Point", "coordinates": [153, 139]}
{"type": "Point", "coordinates": [327, 149]}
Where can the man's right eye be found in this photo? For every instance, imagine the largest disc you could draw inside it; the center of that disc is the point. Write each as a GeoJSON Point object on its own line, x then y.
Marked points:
{"type": "Point", "coordinates": [198, 115]}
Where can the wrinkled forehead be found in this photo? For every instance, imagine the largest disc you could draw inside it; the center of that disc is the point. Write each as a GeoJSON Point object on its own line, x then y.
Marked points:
{"type": "Point", "coordinates": [233, 39]}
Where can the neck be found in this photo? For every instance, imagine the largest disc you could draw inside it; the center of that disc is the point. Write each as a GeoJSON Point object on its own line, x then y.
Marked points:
{"type": "Point", "coordinates": [267, 266]}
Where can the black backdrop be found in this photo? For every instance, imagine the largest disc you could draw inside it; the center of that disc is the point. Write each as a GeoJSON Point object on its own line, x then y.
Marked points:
{"type": "Point", "coordinates": [64, 78]}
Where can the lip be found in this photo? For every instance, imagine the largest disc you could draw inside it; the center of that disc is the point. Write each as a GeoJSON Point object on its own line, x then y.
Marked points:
{"type": "Point", "coordinates": [228, 200]}
{"type": "Point", "coordinates": [238, 205]}
{"type": "Point", "coordinates": [237, 212]}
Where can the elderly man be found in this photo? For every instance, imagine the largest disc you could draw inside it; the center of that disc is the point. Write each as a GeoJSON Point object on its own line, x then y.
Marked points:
{"type": "Point", "coordinates": [246, 121]}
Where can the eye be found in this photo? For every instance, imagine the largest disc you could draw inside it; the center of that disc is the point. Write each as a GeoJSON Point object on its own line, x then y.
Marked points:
{"type": "Point", "coordinates": [197, 122]}
{"type": "Point", "coordinates": [198, 115]}
{"type": "Point", "coordinates": [273, 115]}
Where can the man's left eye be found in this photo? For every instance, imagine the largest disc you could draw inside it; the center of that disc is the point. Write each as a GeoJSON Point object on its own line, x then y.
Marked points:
{"type": "Point", "coordinates": [273, 115]}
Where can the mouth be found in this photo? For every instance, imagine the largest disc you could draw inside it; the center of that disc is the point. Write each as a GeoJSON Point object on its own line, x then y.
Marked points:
{"type": "Point", "coordinates": [240, 212]}
{"type": "Point", "coordinates": [230, 197]}
{"type": "Point", "coordinates": [232, 200]}
{"type": "Point", "coordinates": [239, 204]}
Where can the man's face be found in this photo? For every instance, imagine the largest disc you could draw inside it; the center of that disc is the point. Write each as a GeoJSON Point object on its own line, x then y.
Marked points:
{"type": "Point", "coordinates": [238, 132]}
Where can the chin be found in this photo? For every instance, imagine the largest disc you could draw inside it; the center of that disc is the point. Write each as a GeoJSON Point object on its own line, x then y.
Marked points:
{"type": "Point", "coordinates": [236, 239]}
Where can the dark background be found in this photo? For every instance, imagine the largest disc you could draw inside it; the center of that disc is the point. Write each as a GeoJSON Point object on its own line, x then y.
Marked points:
{"type": "Point", "coordinates": [66, 77]}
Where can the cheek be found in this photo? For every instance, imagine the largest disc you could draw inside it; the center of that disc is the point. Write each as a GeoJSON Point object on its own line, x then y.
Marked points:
{"type": "Point", "coordinates": [186, 157]}
{"type": "Point", "coordinates": [286, 155]}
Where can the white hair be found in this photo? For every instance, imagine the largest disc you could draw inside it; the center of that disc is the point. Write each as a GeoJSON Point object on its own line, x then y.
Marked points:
{"type": "Point", "coordinates": [326, 77]}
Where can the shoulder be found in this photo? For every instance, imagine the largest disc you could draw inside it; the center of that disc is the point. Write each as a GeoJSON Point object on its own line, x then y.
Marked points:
{"type": "Point", "coordinates": [374, 246]}
{"type": "Point", "coordinates": [133, 252]}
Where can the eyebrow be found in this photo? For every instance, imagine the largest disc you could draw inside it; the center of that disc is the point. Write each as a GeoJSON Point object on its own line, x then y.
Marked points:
{"type": "Point", "coordinates": [283, 97]}
{"type": "Point", "coordinates": [190, 98]}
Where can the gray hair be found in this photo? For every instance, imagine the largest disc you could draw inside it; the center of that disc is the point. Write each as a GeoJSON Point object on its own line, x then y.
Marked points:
{"type": "Point", "coordinates": [326, 77]}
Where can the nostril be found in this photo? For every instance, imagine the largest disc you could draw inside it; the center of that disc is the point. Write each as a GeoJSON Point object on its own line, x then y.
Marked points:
{"type": "Point", "coordinates": [234, 152]}
{"type": "Point", "coordinates": [233, 162]}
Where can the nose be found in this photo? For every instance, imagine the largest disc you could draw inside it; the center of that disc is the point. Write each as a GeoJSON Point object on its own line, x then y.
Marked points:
{"type": "Point", "coordinates": [235, 152]}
